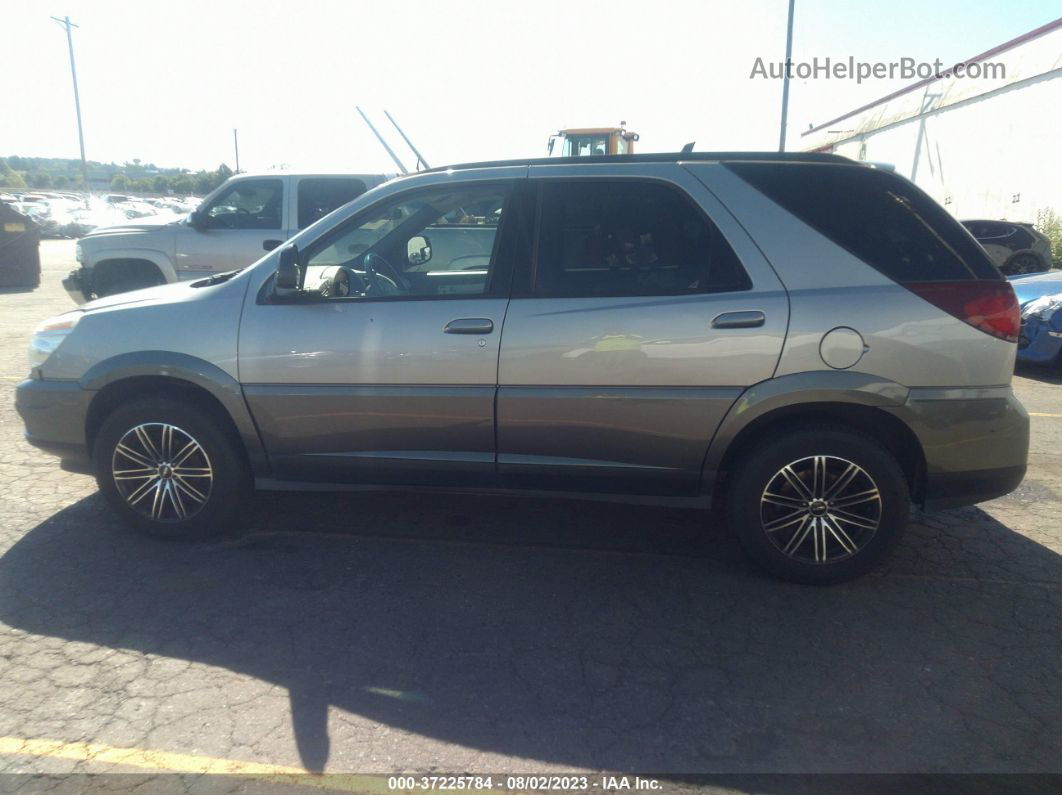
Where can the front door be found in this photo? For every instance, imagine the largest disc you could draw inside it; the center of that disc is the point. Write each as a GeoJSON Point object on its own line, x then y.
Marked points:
{"type": "Point", "coordinates": [385, 369]}
{"type": "Point", "coordinates": [234, 228]}
{"type": "Point", "coordinates": [647, 311]}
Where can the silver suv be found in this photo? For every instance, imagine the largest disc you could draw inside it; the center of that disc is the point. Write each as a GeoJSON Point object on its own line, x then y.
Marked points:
{"type": "Point", "coordinates": [812, 342]}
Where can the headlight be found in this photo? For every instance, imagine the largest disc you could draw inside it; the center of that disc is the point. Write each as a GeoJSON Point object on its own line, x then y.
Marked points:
{"type": "Point", "coordinates": [48, 336]}
{"type": "Point", "coordinates": [79, 255]}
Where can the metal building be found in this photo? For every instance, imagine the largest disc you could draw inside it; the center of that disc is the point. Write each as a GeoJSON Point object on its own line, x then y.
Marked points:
{"type": "Point", "coordinates": [987, 146]}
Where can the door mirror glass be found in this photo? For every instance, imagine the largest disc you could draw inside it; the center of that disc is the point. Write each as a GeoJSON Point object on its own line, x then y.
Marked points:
{"type": "Point", "coordinates": [418, 250]}
{"type": "Point", "coordinates": [287, 278]}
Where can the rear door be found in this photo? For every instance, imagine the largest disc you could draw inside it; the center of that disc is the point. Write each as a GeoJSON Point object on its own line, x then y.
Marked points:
{"type": "Point", "coordinates": [643, 314]}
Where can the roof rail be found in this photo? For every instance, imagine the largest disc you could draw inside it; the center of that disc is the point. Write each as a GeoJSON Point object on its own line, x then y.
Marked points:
{"type": "Point", "coordinates": [657, 157]}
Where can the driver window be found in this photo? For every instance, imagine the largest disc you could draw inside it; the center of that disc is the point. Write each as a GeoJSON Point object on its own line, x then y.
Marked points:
{"type": "Point", "coordinates": [247, 204]}
{"type": "Point", "coordinates": [437, 242]}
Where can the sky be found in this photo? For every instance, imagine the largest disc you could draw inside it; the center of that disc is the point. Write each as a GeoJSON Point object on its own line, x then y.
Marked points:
{"type": "Point", "coordinates": [168, 82]}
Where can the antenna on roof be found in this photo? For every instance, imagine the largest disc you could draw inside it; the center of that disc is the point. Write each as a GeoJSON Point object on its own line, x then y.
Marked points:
{"type": "Point", "coordinates": [409, 143]}
{"type": "Point", "coordinates": [383, 143]}
{"type": "Point", "coordinates": [688, 147]}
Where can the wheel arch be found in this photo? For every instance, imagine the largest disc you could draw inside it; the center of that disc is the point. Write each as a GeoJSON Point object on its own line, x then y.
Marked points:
{"type": "Point", "coordinates": [150, 256]}
{"type": "Point", "coordinates": [130, 376]}
{"type": "Point", "coordinates": [1025, 252]}
{"type": "Point", "coordinates": [849, 400]}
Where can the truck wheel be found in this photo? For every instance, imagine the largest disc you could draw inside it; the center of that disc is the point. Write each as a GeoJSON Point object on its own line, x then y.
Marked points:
{"type": "Point", "coordinates": [818, 506]}
{"type": "Point", "coordinates": [169, 469]}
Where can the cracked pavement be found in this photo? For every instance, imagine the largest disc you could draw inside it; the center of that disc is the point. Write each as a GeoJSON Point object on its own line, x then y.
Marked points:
{"type": "Point", "coordinates": [386, 632]}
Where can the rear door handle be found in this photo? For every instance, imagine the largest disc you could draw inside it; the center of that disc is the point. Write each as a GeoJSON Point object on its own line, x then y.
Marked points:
{"type": "Point", "coordinates": [269, 245]}
{"type": "Point", "coordinates": [470, 325]}
{"type": "Point", "coordinates": [750, 319]}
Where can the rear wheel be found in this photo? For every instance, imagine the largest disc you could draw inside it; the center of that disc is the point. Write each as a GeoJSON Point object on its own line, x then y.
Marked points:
{"type": "Point", "coordinates": [169, 469]}
{"type": "Point", "coordinates": [818, 506]}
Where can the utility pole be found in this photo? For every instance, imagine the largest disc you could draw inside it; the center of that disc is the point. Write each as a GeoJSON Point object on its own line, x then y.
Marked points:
{"type": "Point", "coordinates": [236, 144]}
{"type": "Point", "coordinates": [65, 22]}
{"type": "Point", "coordinates": [785, 77]}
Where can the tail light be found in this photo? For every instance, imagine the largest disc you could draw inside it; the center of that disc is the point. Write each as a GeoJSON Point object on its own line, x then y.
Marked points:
{"type": "Point", "coordinates": [989, 306]}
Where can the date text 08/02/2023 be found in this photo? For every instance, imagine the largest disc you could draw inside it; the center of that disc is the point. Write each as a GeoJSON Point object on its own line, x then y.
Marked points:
{"type": "Point", "coordinates": [543, 783]}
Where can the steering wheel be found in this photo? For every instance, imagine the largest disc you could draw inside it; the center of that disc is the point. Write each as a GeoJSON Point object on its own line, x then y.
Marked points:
{"type": "Point", "coordinates": [373, 263]}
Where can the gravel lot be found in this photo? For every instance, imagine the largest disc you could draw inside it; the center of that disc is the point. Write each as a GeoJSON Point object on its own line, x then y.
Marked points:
{"type": "Point", "coordinates": [375, 633]}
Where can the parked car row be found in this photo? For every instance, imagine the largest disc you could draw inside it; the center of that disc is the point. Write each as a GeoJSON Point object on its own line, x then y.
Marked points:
{"type": "Point", "coordinates": [69, 215]}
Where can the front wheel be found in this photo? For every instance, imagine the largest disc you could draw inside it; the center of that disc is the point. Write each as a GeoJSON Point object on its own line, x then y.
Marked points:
{"type": "Point", "coordinates": [818, 506]}
{"type": "Point", "coordinates": [169, 469]}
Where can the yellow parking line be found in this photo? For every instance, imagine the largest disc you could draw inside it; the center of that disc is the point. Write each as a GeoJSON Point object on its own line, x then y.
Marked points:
{"type": "Point", "coordinates": [169, 762]}
{"type": "Point", "coordinates": [138, 757]}
{"type": "Point", "coordinates": [1042, 414]}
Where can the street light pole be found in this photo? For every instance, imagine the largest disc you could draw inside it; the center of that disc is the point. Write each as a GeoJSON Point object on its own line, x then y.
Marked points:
{"type": "Point", "coordinates": [236, 144]}
{"type": "Point", "coordinates": [65, 22]}
{"type": "Point", "coordinates": [785, 77]}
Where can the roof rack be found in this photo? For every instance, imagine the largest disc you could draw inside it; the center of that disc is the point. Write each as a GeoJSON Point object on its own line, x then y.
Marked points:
{"type": "Point", "coordinates": [656, 157]}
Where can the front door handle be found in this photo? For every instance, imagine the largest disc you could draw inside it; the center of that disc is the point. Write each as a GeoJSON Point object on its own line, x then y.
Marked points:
{"type": "Point", "coordinates": [269, 245]}
{"type": "Point", "coordinates": [470, 325]}
{"type": "Point", "coordinates": [750, 319]}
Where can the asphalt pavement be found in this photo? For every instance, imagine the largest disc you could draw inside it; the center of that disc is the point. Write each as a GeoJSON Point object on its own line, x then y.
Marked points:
{"type": "Point", "coordinates": [386, 632]}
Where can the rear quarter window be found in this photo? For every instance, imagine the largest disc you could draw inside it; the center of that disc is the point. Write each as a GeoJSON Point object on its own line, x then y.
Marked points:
{"type": "Point", "coordinates": [881, 218]}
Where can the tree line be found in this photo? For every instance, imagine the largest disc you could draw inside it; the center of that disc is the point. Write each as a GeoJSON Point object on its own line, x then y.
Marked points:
{"type": "Point", "coordinates": [135, 176]}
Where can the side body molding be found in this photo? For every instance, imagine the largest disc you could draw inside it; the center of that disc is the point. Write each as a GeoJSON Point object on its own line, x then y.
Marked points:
{"type": "Point", "coordinates": [799, 389]}
{"type": "Point", "coordinates": [210, 377]}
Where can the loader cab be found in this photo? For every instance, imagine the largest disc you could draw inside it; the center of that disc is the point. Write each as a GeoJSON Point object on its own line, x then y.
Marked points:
{"type": "Point", "coordinates": [592, 141]}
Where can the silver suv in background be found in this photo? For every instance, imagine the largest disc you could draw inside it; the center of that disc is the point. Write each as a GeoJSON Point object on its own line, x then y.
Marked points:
{"type": "Point", "coordinates": [233, 226]}
{"type": "Point", "coordinates": [811, 342]}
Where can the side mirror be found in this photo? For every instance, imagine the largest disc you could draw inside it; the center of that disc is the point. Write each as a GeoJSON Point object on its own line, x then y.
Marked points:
{"type": "Point", "coordinates": [418, 250]}
{"type": "Point", "coordinates": [196, 221]}
{"type": "Point", "coordinates": [287, 276]}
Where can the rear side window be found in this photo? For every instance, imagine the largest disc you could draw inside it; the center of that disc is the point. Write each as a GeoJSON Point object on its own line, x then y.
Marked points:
{"type": "Point", "coordinates": [629, 238]}
{"type": "Point", "coordinates": [883, 219]}
{"type": "Point", "coordinates": [318, 196]}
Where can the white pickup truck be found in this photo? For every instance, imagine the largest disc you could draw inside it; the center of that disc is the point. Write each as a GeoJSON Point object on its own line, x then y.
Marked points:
{"type": "Point", "coordinates": [234, 226]}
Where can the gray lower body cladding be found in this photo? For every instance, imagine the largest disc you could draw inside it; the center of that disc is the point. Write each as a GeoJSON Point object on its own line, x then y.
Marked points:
{"type": "Point", "coordinates": [975, 442]}
{"type": "Point", "coordinates": [54, 414]}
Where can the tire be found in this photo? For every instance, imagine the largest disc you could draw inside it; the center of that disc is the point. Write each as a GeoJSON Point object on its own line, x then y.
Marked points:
{"type": "Point", "coordinates": [769, 513]}
{"type": "Point", "coordinates": [1022, 264]}
{"type": "Point", "coordinates": [175, 479]}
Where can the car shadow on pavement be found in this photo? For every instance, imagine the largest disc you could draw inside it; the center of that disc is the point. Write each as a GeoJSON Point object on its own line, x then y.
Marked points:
{"type": "Point", "coordinates": [1042, 373]}
{"type": "Point", "coordinates": [580, 634]}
